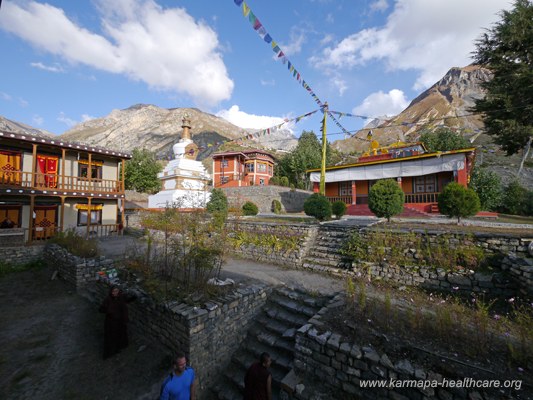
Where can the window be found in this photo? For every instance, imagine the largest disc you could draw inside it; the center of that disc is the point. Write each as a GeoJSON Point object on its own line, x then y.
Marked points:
{"type": "Point", "coordinates": [224, 179]}
{"type": "Point", "coordinates": [345, 188]}
{"type": "Point", "coordinates": [425, 184]}
{"type": "Point", "coordinates": [270, 172]}
{"type": "Point", "coordinates": [224, 163]}
{"type": "Point", "coordinates": [96, 169]}
{"type": "Point", "coordinates": [261, 181]}
{"type": "Point", "coordinates": [250, 167]}
{"type": "Point", "coordinates": [95, 213]}
{"type": "Point", "coordinates": [261, 167]}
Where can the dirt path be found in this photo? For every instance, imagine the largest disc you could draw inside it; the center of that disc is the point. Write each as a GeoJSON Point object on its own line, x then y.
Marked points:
{"type": "Point", "coordinates": [52, 343]}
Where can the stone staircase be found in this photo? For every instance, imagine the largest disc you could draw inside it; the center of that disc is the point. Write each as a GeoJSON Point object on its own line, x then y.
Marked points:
{"type": "Point", "coordinates": [325, 255]}
{"type": "Point", "coordinates": [274, 332]}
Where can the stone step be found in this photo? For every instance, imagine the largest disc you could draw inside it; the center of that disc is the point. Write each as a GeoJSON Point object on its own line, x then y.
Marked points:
{"type": "Point", "coordinates": [283, 315]}
{"type": "Point", "coordinates": [305, 298]}
{"type": "Point", "coordinates": [324, 262]}
{"type": "Point", "coordinates": [280, 349]}
{"type": "Point", "coordinates": [244, 359]}
{"type": "Point", "coordinates": [294, 306]}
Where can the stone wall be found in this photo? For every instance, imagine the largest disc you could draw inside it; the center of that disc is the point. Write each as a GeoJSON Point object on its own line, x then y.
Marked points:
{"type": "Point", "coordinates": [329, 365]}
{"type": "Point", "coordinates": [262, 196]}
{"type": "Point", "coordinates": [77, 271]}
{"type": "Point", "coordinates": [521, 270]}
{"type": "Point", "coordinates": [209, 333]}
{"type": "Point", "coordinates": [12, 237]}
{"type": "Point", "coordinates": [292, 258]}
{"type": "Point", "coordinates": [20, 255]}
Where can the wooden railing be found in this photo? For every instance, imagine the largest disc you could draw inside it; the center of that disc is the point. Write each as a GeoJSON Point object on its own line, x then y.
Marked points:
{"type": "Point", "coordinates": [345, 199]}
{"type": "Point", "coordinates": [105, 230]}
{"type": "Point", "coordinates": [40, 181]}
{"type": "Point", "coordinates": [421, 198]}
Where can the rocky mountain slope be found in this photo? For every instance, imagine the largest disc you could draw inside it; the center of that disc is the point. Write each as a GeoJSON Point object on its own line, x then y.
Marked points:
{"type": "Point", "coordinates": [156, 128]}
{"type": "Point", "coordinates": [18, 127]}
{"type": "Point", "coordinates": [447, 103]}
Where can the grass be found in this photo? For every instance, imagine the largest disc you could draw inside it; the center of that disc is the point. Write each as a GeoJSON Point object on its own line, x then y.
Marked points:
{"type": "Point", "coordinates": [6, 268]}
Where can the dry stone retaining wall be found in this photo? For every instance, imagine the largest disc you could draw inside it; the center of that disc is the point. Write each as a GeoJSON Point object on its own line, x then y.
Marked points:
{"type": "Point", "coordinates": [262, 197]}
{"type": "Point", "coordinates": [20, 255]}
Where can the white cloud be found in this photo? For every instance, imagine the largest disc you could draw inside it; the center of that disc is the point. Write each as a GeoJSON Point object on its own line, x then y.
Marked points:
{"type": "Point", "coordinates": [380, 104]}
{"type": "Point", "coordinates": [22, 102]}
{"type": "Point", "coordinates": [5, 96]}
{"type": "Point", "coordinates": [297, 39]}
{"type": "Point", "coordinates": [66, 120]}
{"type": "Point", "coordinates": [379, 5]}
{"type": "Point", "coordinates": [37, 120]}
{"type": "Point", "coordinates": [428, 36]}
{"type": "Point", "coordinates": [40, 65]}
{"type": "Point", "coordinates": [163, 47]}
{"type": "Point", "coordinates": [270, 82]}
{"type": "Point", "coordinates": [329, 18]}
{"type": "Point", "coordinates": [340, 84]}
{"type": "Point", "coordinates": [248, 121]}
{"type": "Point", "coordinates": [86, 117]}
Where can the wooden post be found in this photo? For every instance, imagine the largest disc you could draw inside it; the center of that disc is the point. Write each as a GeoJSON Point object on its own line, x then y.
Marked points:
{"type": "Point", "coordinates": [62, 214]}
{"type": "Point", "coordinates": [90, 170]}
{"type": "Point", "coordinates": [32, 206]}
{"type": "Point", "coordinates": [354, 193]}
{"type": "Point", "coordinates": [324, 148]}
{"type": "Point", "coordinates": [88, 215]}
{"type": "Point", "coordinates": [63, 154]}
{"type": "Point", "coordinates": [123, 183]}
{"type": "Point", "coordinates": [34, 169]}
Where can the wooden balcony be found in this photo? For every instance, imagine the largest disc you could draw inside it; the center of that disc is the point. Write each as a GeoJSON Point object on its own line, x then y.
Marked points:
{"type": "Point", "coordinates": [421, 197]}
{"type": "Point", "coordinates": [73, 184]}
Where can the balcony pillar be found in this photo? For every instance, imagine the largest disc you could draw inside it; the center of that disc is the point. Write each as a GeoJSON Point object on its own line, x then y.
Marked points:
{"type": "Point", "coordinates": [34, 165]}
{"type": "Point", "coordinates": [354, 193]}
{"type": "Point", "coordinates": [30, 225]}
{"type": "Point", "coordinates": [63, 154]}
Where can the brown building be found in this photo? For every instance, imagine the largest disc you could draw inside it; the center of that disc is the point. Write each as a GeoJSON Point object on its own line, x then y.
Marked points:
{"type": "Point", "coordinates": [242, 168]}
{"type": "Point", "coordinates": [48, 185]}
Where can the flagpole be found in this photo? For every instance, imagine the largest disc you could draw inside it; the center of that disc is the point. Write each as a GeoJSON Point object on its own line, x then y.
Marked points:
{"type": "Point", "coordinates": [324, 147]}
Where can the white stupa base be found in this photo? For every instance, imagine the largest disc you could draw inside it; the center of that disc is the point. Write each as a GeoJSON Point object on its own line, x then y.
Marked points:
{"type": "Point", "coordinates": [179, 199]}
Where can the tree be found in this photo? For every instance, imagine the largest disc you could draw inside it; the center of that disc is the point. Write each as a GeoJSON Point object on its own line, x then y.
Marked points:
{"type": "Point", "coordinates": [515, 199]}
{"type": "Point", "coordinates": [443, 139]}
{"type": "Point", "coordinates": [249, 208]}
{"type": "Point", "coordinates": [488, 186]}
{"type": "Point", "coordinates": [217, 206]}
{"type": "Point", "coordinates": [306, 155]}
{"type": "Point", "coordinates": [338, 208]}
{"type": "Point", "coordinates": [505, 49]}
{"type": "Point", "coordinates": [141, 172]}
{"type": "Point", "coordinates": [318, 206]}
{"type": "Point", "coordinates": [386, 198]}
{"type": "Point", "coordinates": [457, 201]}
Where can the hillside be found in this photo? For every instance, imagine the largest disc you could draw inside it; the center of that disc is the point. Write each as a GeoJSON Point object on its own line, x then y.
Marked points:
{"type": "Point", "coordinates": [157, 129]}
{"type": "Point", "coordinates": [447, 103]}
{"type": "Point", "coordinates": [18, 127]}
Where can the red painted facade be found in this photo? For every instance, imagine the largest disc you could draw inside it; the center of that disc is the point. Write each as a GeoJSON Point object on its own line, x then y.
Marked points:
{"type": "Point", "coordinates": [242, 168]}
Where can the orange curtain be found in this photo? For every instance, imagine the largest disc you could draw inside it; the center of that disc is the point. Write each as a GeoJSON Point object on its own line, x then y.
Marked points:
{"type": "Point", "coordinates": [10, 168]}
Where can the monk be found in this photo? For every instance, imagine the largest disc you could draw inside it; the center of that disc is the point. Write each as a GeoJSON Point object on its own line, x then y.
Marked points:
{"type": "Point", "coordinates": [115, 309]}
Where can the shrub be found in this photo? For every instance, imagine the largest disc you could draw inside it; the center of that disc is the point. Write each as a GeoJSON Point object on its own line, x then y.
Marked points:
{"type": "Point", "coordinates": [488, 186]}
{"type": "Point", "coordinates": [318, 206]}
{"type": "Point", "coordinates": [338, 208]}
{"type": "Point", "coordinates": [386, 198]}
{"type": "Point", "coordinates": [276, 207]}
{"type": "Point", "coordinates": [515, 199]}
{"type": "Point", "coordinates": [458, 201]}
{"type": "Point", "coordinates": [76, 244]}
{"type": "Point", "coordinates": [274, 181]}
{"type": "Point", "coordinates": [217, 206]}
{"type": "Point", "coordinates": [293, 188]}
{"type": "Point", "coordinates": [284, 181]}
{"type": "Point", "coordinates": [249, 208]}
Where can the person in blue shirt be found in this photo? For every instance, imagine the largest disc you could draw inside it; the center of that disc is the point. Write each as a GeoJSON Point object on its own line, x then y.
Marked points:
{"type": "Point", "coordinates": [180, 384]}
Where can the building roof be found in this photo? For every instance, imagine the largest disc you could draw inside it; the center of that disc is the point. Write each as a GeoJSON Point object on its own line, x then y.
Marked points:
{"type": "Point", "coordinates": [62, 144]}
{"type": "Point", "coordinates": [244, 153]}
{"type": "Point", "coordinates": [393, 160]}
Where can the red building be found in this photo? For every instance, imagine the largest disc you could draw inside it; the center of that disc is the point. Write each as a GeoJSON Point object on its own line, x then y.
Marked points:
{"type": "Point", "coordinates": [420, 174]}
{"type": "Point", "coordinates": [242, 168]}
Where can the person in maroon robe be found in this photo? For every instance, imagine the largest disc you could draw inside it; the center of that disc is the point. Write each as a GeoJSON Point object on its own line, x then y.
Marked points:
{"type": "Point", "coordinates": [258, 380]}
{"type": "Point", "coordinates": [115, 309]}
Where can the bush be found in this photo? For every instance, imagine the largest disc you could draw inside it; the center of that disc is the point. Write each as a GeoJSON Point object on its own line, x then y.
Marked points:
{"type": "Point", "coordinates": [249, 208]}
{"type": "Point", "coordinates": [318, 206]}
{"type": "Point", "coordinates": [386, 198]}
{"type": "Point", "coordinates": [76, 244]}
{"type": "Point", "coordinates": [515, 199]}
{"type": "Point", "coordinates": [458, 201]}
{"type": "Point", "coordinates": [338, 208]}
{"type": "Point", "coordinates": [284, 181]}
{"type": "Point", "coordinates": [488, 186]}
{"type": "Point", "coordinates": [217, 206]}
{"type": "Point", "coordinates": [274, 181]}
{"type": "Point", "coordinates": [276, 207]}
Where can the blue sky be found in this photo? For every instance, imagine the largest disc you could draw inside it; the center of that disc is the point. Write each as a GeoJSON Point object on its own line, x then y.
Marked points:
{"type": "Point", "coordinates": [67, 61]}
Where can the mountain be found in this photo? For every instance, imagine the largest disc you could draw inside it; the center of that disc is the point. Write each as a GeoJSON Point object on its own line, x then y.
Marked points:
{"type": "Point", "coordinates": [17, 127]}
{"type": "Point", "coordinates": [158, 129]}
{"type": "Point", "coordinates": [447, 103]}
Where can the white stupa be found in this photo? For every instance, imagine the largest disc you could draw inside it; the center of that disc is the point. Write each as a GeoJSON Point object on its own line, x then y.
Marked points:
{"type": "Point", "coordinates": [184, 180]}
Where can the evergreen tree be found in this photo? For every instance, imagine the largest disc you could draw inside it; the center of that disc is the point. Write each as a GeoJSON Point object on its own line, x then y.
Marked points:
{"type": "Point", "coordinates": [458, 201]}
{"type": "Point", "coordinates": [141, 172]}
{"type": "Point", "coordinates": [443, 139]}
{"type": "Point", "coordinates": [306, 155]}
{"type": "Point", "coordinates": [318, 206]}
{"type": "Point", "coordinates": [506, 49]}
{"type": "Point", "coordinates": [386, 198]}
{"type": "Point", "coordinates": [488, 186]}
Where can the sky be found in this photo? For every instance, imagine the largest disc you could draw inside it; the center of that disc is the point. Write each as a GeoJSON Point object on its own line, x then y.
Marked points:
{"type": "Point", "coordinates": [69, 61]}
